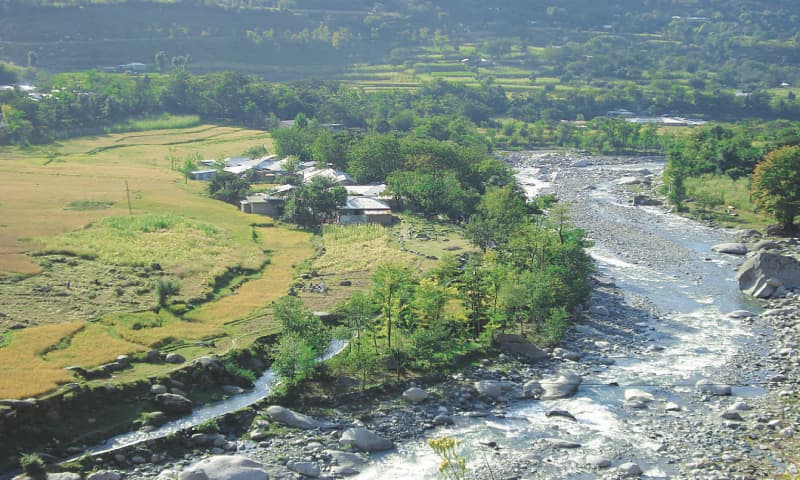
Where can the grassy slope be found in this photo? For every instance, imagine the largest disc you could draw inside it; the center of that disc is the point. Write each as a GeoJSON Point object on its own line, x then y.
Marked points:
{"type": "Point", "coordinates": [35, 187]}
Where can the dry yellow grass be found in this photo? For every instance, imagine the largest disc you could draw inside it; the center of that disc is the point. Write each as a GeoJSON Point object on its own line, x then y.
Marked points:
{"type": "Point", "coordinates": [94, 345]}
{"type": "Point", "coordinates": [23, 372]}
{"type": "Point", "coordinates": [37, 183]}
{"type": "Point", "coordinates": [291, 247]}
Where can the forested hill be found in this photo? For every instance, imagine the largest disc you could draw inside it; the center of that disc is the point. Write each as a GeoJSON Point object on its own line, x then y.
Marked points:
{"type": "Point", "coordinates": [737, 44]}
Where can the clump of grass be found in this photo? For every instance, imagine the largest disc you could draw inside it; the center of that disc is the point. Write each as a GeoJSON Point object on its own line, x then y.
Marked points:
{"type": "Point", "coordinates": [237, 370]}
{"type": "Point", "coordinates": [81, 205]}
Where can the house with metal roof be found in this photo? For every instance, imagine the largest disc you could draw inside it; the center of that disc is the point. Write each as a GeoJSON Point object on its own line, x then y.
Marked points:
{"type": "Point", "coordinates": [358, 210]}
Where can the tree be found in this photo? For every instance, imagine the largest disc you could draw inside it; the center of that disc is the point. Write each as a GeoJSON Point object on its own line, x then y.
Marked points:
{"type": "Point", "coordinates": [162, 61]}
{"type": "Point", "coordinates": [294, 358]}
{"type": "Point", "coordinates": [389, 281]}
{"type": "Point", "coordinates": [357, 311]}
{"type": "Point", "coordinates": [327, 149]}
{"type": "Point", "coordinates": [499, 212]}
{"type": "Point", "coordinates": [776, 185]}
{"type": "Point", "coordinates": [313, 202]}
{"type": "Point", "coordinates": [296, 319]}
{"type": "Point", "coordinates": [228, 187]}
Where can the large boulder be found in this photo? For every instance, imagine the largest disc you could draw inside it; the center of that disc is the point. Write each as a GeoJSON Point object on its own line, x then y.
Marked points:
{"type": "Point", "coordinates": [105, 475]}
{"type": "Point", "coordinates": [731, 248]}
{"type": "Point", "coordinates": [710, 387]}
{"type": "Point", "coordinates": [364, 440]}
{"type": "Point", "coordinates": [519, 345]}
{"type": "Point", "coordinates": [563, 386]}
{"type": "Point", "coordinates": [173, 403]}
{"type": "Point", "coordinates": [291, 418]}
{"type": "Point", "coordinates": [494, 389]}
{"type": "Point", "coordinates": [415, 395]}
{"type": "Point", "coordinates": [225, 467]}
{"type": "Point", "coordinates": [764, 273]}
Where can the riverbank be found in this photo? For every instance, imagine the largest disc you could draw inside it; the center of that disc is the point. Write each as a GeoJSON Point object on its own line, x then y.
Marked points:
{"type": "Point", "coordinates": [655, 345]}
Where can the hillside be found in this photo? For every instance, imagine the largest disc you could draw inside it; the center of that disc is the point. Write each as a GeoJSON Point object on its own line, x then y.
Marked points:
{"type": "Point", "coordinates": [706, 44]}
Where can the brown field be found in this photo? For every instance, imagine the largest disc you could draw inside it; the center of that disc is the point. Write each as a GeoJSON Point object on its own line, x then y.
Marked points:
{"type": "Point", "coordinates": [69, 203]}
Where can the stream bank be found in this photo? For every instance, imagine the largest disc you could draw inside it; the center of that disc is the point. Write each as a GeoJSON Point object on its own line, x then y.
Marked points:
{"type": "Point", "coordinates": [659, 324]}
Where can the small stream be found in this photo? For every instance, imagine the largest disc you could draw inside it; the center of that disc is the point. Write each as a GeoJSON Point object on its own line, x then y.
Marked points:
{"type": "Point", "coordinates": [262, 388]}
{"type": "Point", "coordinates": [662, 263]}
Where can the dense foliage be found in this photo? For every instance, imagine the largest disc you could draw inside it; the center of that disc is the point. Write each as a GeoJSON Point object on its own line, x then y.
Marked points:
{"type": "Point", "coordinates": [732, 151]}
{"type": "Point", "coordinates": [776, 185]}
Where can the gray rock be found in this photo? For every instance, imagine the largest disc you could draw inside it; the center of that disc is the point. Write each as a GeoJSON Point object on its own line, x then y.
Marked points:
{"type": "Point", "coordinates": [632, 181]}
{"type": "Point", "coordinates": [415, 395]}
{"type": "Point", "coordinates": [560, 443]}
{"type": "Point", "coordinates": [494, 389]}
{"type": "Point", "coordinates": [532, 389]}
{"type": "Point", "coordinates": [232, 390]}
{"type": "Point", "coordinates": [566, 354]}
{"type": "Point", "coordinates": [730, 248]}
{"type": "Point", "coordinates": [158, 389]}
{"type": "Point", "coordinates": [740, 314]}
{"type": "Point", "coordinates": [443, 420]}
{"type": "Point", "coordinates": [105, 475]}
{"type": "Point", "coordinates": [733, 415]}
{"type": "Point", "coordinates": [766, 245]}
{"type": "Point", "coordinates": [211, 363]}
{"type": "Point", "coordinates": [598, 311]}
{"type": "Point", "coordinates": [63, 476]}
{"type": "Point", "coordinates": [740, 407]}
{"type": "Point", "coordinates": [762, 273]}
{"type": "Point", "coordinates": [173, 403]}
{"type": "Point", "coordinates": [174, 358]}
{"type": "Point", "coordinates": [138, 460]}
{"type": "Point", "coordinates": [629, 470]}
{"type": "Point", "coordinates": [346, 459]}
{"type": "Point", "coordinates": [364, 440]}
{"type": "Point", "coordinates": [518, 345]}
{"type": "Point", "coordinates": [672, 407]}
{"type": "Point", "coordinates": [291, 418]}
{"type": "Point", "coordinates": [208, 439]}
{"type": "Point", "coordinates": [563, 386]}
{"type": "Point", "coordinates": [225, 467]}
{"type": "Point", "coordinates": [308, 469]}
{"type": "Point", "coordinates": [637, 395]}
{"type": "Point", "coordinates": [778, 312]}
{"type": "Point", "coordinates": [561, 413]}
{"type": "Point", "coordinates": [713, 388]}
{"type": "Point", "coordinates": [598, 461]}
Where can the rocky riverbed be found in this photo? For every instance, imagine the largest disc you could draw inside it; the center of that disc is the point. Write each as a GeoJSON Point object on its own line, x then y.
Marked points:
{"type": "Point", "coordinates": [672, 379]}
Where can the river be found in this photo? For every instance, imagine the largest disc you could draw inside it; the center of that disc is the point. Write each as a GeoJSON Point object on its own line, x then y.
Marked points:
{"type": "Point", "coordinates": [666, 330]}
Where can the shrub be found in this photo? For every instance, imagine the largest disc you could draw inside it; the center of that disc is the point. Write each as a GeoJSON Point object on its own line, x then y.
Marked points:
{"type": "Point", "coordinates": [33, 465]}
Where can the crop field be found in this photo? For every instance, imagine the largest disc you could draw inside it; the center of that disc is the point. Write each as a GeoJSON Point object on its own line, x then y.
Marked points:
{"type": "Point", "coordinates": [90, 225]}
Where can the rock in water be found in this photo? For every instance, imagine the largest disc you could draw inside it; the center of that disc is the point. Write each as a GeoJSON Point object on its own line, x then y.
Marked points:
{"type": "Point", "coordinates": [629, 470]}
{"type": "Point", "coordinates": [291, 418]}
{"type": "Point", "coordinates": [225, 467]}
{"type": "Point", "coordinates": [713, 388]}
{"type": "Point", "coordinates": [563, 386]}
{"type": "Point", "coordinates": [364, 440]}
{"type": "Point", "coordinates": [763, 273]}
{"type": "Point", "coordinates": [173, 403]}
{"type": "Point", "coordinates": [731, 248]}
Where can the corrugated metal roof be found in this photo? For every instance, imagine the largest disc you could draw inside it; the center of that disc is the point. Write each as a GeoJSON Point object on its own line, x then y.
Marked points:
{"type": "Point", "coordinates": [365, 190]}
{"type": "Point", "coordinates": [365, 203]}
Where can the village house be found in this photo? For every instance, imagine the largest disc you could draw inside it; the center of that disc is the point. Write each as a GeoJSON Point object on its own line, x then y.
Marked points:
{"type": "Point", "coordinates": [207, 174]}
{"type": "Point", "coordinates": [360, 210]}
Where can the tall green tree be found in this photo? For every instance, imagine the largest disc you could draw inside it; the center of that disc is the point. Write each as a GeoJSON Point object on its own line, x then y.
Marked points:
{"type": "Point", "coordinates": [389, 283]}
{"type": "Point", "coordinates": [776, 185]}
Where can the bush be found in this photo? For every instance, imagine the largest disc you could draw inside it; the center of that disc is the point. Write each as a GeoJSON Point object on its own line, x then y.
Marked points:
{"type": "Point", "coordinates": [33, 465]}
{"type": "Point", "coordinates": [236, 370]}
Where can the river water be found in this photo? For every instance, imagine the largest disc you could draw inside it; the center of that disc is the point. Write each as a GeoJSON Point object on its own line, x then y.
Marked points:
{"type": "Point", "coordinates": [676, 293]}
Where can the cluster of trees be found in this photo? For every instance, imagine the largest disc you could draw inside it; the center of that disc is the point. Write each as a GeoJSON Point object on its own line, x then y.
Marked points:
{"type": "Point", "coordinates": [530, 278]}
{"type": "Point", "coordinates": [425, 173]}
{"type": "Point", "coordinates": [732, 150]}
